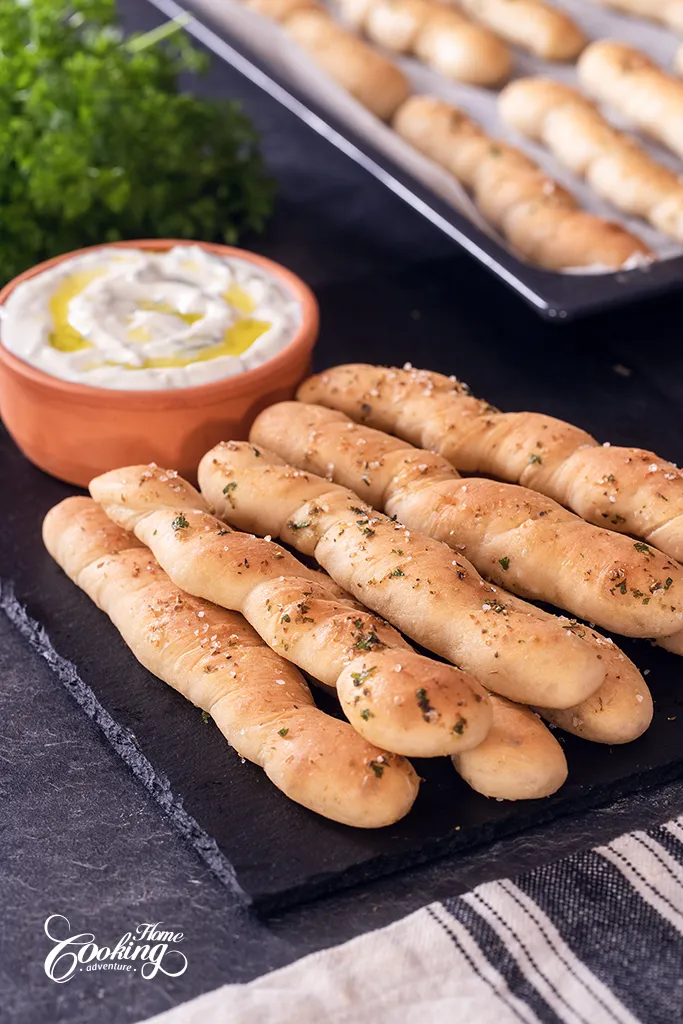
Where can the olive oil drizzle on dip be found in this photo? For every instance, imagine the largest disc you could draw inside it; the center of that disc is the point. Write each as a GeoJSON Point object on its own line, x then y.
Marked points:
{"type": "Point", "coordinates": [130, 320]}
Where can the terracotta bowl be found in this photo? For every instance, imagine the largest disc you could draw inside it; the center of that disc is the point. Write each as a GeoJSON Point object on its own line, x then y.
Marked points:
{"type": "Point", "coordinates": [75, 431]}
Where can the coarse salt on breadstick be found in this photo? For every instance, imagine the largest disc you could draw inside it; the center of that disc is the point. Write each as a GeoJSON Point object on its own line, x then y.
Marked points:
{"type": "Point", "coordinates": [625, 489]}
{"type": "Point", "coordinates": [536, 215]}
{"type": "Point", "coordinates": [615, 166]}
{"type": "Point", "coordinates": [393, 696]}
{"type": "Point", "coordinates": [626, 79]}
{"type": "Point", "coordinates": [516, 537]}
{"type": "Point", "coordinates": [259, 701]}
{"type": "Point", "coordinates": [437, 599]}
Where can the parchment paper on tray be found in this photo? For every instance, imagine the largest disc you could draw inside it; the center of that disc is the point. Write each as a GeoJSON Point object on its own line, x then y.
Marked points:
{"type": "Point", "coordinates": [271, 45]}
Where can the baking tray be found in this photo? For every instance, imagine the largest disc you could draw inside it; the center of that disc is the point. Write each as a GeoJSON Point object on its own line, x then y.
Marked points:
{"type": "Point", "coordinates": [555, 296]}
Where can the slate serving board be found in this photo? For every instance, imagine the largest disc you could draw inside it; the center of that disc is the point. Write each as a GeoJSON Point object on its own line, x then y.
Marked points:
{"type": "Point", "coordinates": [254, 838]}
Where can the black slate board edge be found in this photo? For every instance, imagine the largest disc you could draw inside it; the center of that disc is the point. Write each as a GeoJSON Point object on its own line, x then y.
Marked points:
{"type": "Point", "coordinates": [555, 296]}
{"type": "Point", "coordinates": [123, 742]}
{"type": "Point", "coordinates": [326, 883]}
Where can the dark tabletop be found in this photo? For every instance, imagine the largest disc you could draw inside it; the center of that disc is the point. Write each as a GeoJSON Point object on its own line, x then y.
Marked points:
{"type": "Point", "coordinates": [80, 836]}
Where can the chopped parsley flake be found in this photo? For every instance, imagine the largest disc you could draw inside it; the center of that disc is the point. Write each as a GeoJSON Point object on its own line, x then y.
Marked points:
{"type": "Point", "coordinates": [396, 551]}
{"type": "Point", "coordinates": [206, 717]}
{"type": "Point", "coordinates": [504, 563]}
{"type": "Point", "coordinates": [535, 458]}
{"type": "Point", "coordinates": [423, 703]}
{"type": "Point", "coordinates": [643, 548]}
{"type": "Point", "coordinates": [377, 768]}
{"type": "Point", "coordinates": [180, 523]}
{"type": "Point", "coordinates": [281, 732]}
{"type": "Point", "coordinates": [397, 572]}
{"type": "Point", "coordinates": [360, 677]}
{"type": "Point", "coordinates": [301, 525]}
{"type": "Point", "coordinates": [366, 643]}
{"type": "Point", "coordinates": [365, 714]}
{"type": "Point", "coordinates": [230, 487]}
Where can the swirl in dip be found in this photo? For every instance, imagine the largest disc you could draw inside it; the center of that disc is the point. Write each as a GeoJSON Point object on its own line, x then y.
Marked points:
{"type": "Point", "coordinates": [133, 320]}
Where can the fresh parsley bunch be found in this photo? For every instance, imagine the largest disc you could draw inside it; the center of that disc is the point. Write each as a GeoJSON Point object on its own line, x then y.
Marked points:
{"type": "Point", "coordinates": [98, 143]}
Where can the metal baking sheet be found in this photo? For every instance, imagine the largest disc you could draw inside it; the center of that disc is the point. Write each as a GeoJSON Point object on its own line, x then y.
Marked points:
{"type": "Point", "coordinates": [420, 183]}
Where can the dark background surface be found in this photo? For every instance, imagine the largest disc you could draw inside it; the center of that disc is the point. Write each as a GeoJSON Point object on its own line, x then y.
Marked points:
{"type": "Point", "coordinates": [80, 836]}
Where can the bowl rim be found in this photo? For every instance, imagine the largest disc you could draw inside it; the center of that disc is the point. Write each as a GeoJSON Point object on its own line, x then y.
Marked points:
{"type": "Point", "coordinates": [159, 398]}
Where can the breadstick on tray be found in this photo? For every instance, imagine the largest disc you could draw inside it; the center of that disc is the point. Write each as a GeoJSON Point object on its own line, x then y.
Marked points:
{"type": "Point", "coordinates": [577, 134]}
{"type": "Point", "coordinates": [302, 616]}
{"type": "Point", "coordinates": [373, 79]}
{"type": "Point", "coordinates": [516, 537]}
{"type": "Point", "coordinates": [438, 600]}
{"type": "Point", "coordinates": [434, 33]}
{"type": "Point", "coordinates": [536, 215]}
{"type": "Point", "coordinates": [531, 24]}
{"type": "Point", "coordinates": [259, 701]}
{"type": "Point", "coordinates": [624, 489]}
{"type": "Point", "coordinates": [618, 711]}
{"type": "Point", "coordinates": [668, 12]}
{"type": "Point", "coordinates": [626, 79]}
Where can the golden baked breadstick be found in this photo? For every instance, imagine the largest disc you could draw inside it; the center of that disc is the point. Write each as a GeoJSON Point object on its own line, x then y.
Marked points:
{"type": "Point", "coordinates": [259, 701]}
{"type": "Point", "coordinates": [531, 24]}
{"type": "Point", "coordinates": [372, 78]}
{"type": "Point", "coordinates": [668, 12]}
{"type": "Point", "coordinates": [620, 710]}
{"type": "Point", "coordinates": [437, 599]}
{"type": "Point", "coordinates": [517, 744]}
{"type": "Point", "coordinates": [436, 34]}
{"type": "Point", "coordinates": [387, 691]}
{"type": "Point", "coordinates": [625, 489]}
{"type": "Point", "coordinates": [615, 166]}
{"type": "Point", "coordinates": [536, 215]}
{"type": "Point", "coordinates": [513, 536]}
{"type": "Point", "coordinates": [280, 10]}
{"type": "Point", "coordinates": [626, 79]}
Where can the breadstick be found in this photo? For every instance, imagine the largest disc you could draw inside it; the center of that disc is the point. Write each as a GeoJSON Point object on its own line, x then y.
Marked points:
{"type": "Point", "coordinates": [513, 536]}
{"type": "Point", "coordinates": [615, 166]}
{"type": "Point", "coordinates": [371, 78]}
{"type": "Point", "coordinates": [625, 489]}
{"type": "Point", "coordinates": [415, 582]}
{"type": "Point", "coordinates": [620, 710]}
{"type": "Point", "coordinates": [535, 214]}
{"type": "Point", "coordinates": [387, 691]}
{"type": "Point", "coordinates": [517, 742]}
{"type": "Point", "coordinates": [669, 12]}
{"type": "Point", "coordinates": [531, 24]}
{"type": "Point", "coordinates": [280, 10]}
{"type": "Point", "coordinates": [627, 80]}
{"type": "Point", "coordinates": [259, 701]}
{"type": "Point", "coordinates": [436, 34]}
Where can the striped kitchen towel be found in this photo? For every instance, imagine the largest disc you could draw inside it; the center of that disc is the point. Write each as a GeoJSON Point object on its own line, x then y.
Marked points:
{"type": "Point", "coordinates": [596, 938]}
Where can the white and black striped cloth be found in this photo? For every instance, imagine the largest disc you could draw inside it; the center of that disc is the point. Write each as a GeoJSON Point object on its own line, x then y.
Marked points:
{"type": "Point", "coordinates": [593, 939]}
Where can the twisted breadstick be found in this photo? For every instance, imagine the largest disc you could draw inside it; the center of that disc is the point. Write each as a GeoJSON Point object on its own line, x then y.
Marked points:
{"type": "Point", "coordinates": [378, 677]}
{"type": "Point", "coordinates": [518, 747]}
{"type": "Point", "coordinates": [614, 165]}
{"type": "Point", "coordinates": [669, 12]}
{"type": "Point", "coordinates": [536, 215]}
{"type": "Point", "coordinates": [519, 539]}
{"type": "Point", "coordinates": [259, 701]}
{"type": "Point", "coordinates": [434, 33]}
{"type": "Point", "coordinates": [531, 24]}
{"type": "Point", "coordinates": [373, 79]}
{"type": "Point", "coordinates": [625, 489]}
{"type": "Point", "coordinates": [436, 599]}
{"type": "Point", "coordinates": [618, 711]}
{"type": "Point", "coordinates": [626, 79]}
